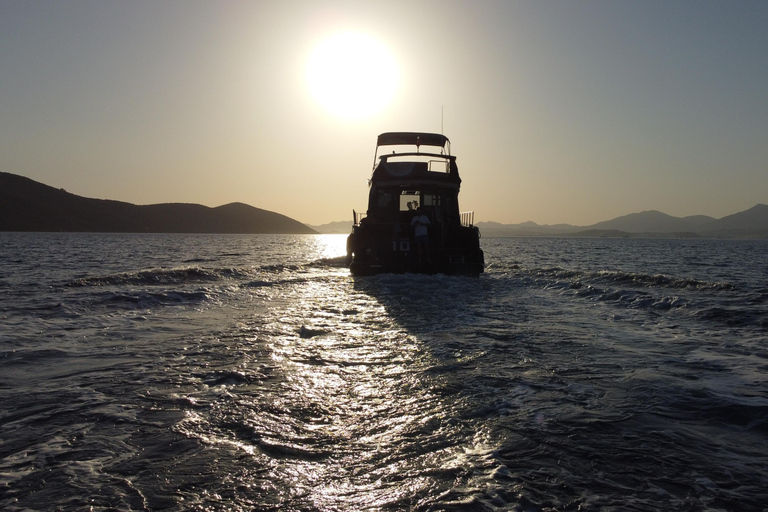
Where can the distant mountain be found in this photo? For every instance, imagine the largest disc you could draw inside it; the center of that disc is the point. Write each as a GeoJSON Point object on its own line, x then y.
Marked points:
{"type": "Point", "coordinates": [655, 222]}
{"type": "Point", "coordinates": [752, 223]}
{"type": "Point", "coordinates": [334, 228]}
{"type": "Point", "coordinates": [26, 205]}
{"type": "Point", "coordinates": [495, 229]}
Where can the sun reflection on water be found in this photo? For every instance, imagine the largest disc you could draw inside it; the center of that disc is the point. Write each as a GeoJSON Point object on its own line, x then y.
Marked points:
{"type": "Point", "coordinates": [344, 410]}
{"type": "Point", "coordinates": [357, 398]}
{"type": "Point", "coordinates": [331, 246]}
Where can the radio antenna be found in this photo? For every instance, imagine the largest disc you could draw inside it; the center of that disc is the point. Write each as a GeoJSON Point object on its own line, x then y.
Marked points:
{"type": "Point", "coordinates": [442, 117]}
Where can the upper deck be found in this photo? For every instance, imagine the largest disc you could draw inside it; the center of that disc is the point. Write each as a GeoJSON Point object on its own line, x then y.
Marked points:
{"type": "Point", "coordinates": [407, 162]}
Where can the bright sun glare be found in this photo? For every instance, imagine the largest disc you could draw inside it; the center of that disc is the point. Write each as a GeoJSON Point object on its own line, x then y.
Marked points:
{"type": "Point", "coordinates": [352, 75]}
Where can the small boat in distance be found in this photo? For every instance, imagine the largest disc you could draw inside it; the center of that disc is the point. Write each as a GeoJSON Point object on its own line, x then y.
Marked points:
{"type": "Point", "coordinates": [413, 223]}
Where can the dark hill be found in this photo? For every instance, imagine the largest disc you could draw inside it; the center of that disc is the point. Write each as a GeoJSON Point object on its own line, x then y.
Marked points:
{"type": "Point", "coordinates": [752, 223]}
{"type": "Point", "coordinates": [655, 222]}
{"type": "Point", "coordinates": [26, 205]}
{"type": "Point", "coordinates": [754, 220]}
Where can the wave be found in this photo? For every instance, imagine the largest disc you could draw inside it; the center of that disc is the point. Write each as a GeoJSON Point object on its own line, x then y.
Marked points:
{"type": "Point", "coordinates": [162, 277]}
{"type": "Point", "coordinates": [661, 281]}
{"type": "Point", "coordinates": [143, 299]}
{"type": "Point", "coordinates": [701, 308]}
{"type": "Point", "coordinates": [338, 261]}
{"type": "Point", "coordinates": [631, 278]}
{"type": "Point", "coordinates": [193, 285]}
{"type": "Point", "coordinates": [707, 406]}
{"type": "Point", "coordinates": [734, 317]}
{"type": "Point", "coordinates": [199, 273]}
{"type": "Point", "coordinates": [717, 302]}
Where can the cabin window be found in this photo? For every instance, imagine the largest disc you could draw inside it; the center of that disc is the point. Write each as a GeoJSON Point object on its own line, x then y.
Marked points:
{"type": "Point", "coordinates": [410, 200]}
{"type": "Point", "coordinates": [431, 200]}
{"type": "Point", "coordinates": [438, 165]}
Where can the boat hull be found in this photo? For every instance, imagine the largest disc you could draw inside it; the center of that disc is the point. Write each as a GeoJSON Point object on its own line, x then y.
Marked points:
{"type": "Point", "coordinates": [370, 252]}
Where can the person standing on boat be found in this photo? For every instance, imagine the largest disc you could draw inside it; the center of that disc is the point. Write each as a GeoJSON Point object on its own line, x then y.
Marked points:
{"type": "Point", "coordinates": [421, 238]}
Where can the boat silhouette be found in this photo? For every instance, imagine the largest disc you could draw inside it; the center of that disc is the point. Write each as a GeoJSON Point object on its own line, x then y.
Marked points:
{"type": "Point", "coordinates": [413, 222]}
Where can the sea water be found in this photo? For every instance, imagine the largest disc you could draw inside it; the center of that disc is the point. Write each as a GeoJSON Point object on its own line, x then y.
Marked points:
{"type": "Point", "coordinates": [252, 372]}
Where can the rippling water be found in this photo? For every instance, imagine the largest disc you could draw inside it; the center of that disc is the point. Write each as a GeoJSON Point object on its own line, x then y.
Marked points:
{"type": "Point", "coordinates": [211, 372]}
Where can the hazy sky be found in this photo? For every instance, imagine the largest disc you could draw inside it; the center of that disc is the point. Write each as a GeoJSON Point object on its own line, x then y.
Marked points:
{"type": "Point", "coordinates": [559, 111]}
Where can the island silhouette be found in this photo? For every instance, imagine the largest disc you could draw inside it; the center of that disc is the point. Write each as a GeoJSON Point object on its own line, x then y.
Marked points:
{"type": "Point", "coordinates": [27, 205]}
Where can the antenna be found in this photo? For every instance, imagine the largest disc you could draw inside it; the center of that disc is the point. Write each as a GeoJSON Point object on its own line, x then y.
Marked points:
{"type": "Point", "coordinates": [442, 117]}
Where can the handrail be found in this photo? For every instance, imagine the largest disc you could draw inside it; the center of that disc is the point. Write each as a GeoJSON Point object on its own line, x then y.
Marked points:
{"type": "Point", "coordinates": [357, 217]}
{"type": "Point", "coordinates": [467, 219]}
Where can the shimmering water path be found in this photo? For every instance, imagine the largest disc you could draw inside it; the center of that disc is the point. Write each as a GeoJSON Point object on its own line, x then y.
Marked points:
{"type": "Point", "coordinates": [196, 372]}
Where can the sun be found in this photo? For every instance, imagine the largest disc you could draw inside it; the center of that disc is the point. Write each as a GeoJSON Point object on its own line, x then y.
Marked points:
{"type": "Point", "coordinates": [352, 75]}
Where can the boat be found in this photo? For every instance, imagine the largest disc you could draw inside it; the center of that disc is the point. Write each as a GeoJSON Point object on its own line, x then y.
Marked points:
{"type": "Point", "coordinates": [414, 177]}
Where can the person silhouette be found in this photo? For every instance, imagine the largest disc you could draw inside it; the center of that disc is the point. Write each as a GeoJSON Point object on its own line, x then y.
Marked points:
{"type": "Point", "coordinates": [421, 233]}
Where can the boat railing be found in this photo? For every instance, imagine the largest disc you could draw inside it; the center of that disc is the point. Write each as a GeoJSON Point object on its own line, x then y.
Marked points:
{"type": "Point", "coordinates": [467, 219]}
{"type": "Point", "coordinates": [357, 217]}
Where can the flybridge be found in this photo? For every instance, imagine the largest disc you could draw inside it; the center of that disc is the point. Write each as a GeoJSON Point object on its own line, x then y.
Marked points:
{"type": "Point", "coordinates": [404, 161]}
